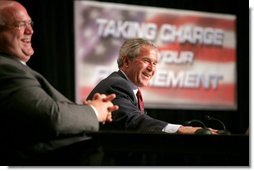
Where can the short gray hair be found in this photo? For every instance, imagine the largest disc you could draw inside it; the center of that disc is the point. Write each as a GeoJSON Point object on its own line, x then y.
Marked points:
{"type": "Point", "coordinates": [131, 49]}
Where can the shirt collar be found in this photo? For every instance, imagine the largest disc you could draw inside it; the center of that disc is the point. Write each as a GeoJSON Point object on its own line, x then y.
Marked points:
{"type": "Point", "coordinates": [133, 86]}
{"type": "Point", "coordinates": [10, 56]}
{"type": "Point", "coordinates": [22, 62]}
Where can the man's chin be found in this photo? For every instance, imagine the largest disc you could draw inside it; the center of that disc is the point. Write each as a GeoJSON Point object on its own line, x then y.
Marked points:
{"type": "Point", "coordinates": [26, 57]}
{"type": "Point", "coordinates": [28, 51]}
{"type": "Point", "coordinates": [143, 84]}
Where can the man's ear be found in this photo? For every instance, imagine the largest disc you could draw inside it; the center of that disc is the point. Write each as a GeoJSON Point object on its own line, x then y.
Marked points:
{"type": "Point", "coordinates": [126, 61]}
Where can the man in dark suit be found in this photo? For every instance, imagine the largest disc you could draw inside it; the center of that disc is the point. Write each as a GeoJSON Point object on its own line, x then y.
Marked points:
{"type": "Point", "coordinates": [137, 65]}
{"type": "Point", "coordinates": [35, 117]}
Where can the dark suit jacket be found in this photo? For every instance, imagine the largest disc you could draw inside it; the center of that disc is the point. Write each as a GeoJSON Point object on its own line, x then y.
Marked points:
{"type": "Point", "coordinates": [35, 117]}
{"type": "Point", "coordinates": [128, 117]}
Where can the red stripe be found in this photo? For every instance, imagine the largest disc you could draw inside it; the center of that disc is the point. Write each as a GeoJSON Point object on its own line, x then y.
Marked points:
{"type": "Point", "coordinates": [224, 94]}
{"type": "Point", "coordinates": [84, 91]}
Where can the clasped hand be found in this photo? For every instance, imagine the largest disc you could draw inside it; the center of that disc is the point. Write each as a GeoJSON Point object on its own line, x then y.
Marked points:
{"type": "Point", "coordinates": [102, 103]}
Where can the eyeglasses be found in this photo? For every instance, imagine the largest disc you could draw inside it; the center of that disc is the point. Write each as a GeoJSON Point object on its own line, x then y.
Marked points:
{"type": "Point", "coordinates": [21, 25]}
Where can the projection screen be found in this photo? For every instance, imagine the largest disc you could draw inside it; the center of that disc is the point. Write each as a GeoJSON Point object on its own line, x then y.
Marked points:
{"type": "Point", "coordinates": [197, 63]}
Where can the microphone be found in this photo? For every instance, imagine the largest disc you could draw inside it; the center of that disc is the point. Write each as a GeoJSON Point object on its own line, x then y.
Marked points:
{"type": "Point", "coordinates": [194, 121]}
{"type": "Point", "coordinates": [224, 131]}
{"type": "Point", "coordinates": [203, 131]}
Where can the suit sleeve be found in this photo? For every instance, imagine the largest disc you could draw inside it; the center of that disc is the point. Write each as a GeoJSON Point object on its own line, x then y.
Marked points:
{"type": "Point", "coordinates": [128, 117]}
{"type": "Point", "coordinates": [31, 111]}
{"type": "Point", "coordinates": [131, 115]}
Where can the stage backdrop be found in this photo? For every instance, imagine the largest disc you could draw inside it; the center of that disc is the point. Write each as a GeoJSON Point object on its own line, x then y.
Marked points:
{"type": "Point", "coordinates": [197, 63]}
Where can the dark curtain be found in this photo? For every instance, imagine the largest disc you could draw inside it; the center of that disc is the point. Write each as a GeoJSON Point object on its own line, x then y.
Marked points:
{"type": "Point", "coordinates": [53, 43]}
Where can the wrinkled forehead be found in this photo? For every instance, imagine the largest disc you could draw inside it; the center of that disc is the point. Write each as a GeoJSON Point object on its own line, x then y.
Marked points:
{"type": "Point", "coordinates": [12, 12]}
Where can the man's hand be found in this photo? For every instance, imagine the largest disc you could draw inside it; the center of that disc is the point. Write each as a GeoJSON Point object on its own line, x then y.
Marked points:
{"type": "Point", "coordinates": [187, 130]}
{"type": "Point", "coordinates": [102, 103]}
{"type": "Point", "coordinates": [192, 130]}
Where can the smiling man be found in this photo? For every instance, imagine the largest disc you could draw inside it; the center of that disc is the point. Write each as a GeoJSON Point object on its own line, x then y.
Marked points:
{"type": "Point", "coordinates": [17, 34]}
{"type": "Point", "coordinates": [137, 65]}
{"type": "Point", "coordinates": [36, 119]}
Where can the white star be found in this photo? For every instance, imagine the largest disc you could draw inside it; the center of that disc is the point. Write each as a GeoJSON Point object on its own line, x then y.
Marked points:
{"type": "Point", "coordinates": [100, 49]}
{"type": "Point", "coordinates": [87, 33]}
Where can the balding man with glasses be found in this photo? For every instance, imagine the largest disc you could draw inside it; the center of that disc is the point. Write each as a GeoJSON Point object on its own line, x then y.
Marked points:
{"type": "Point", "coordinates": [35, 118]}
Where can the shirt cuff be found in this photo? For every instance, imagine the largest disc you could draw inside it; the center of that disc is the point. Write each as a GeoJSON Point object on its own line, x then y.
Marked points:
{"type": "Point", "coordinates": [171, 128]}
{"type": "Point", "coordinates": [94, 109]}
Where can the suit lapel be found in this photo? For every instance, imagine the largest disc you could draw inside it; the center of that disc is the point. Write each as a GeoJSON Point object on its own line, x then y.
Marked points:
{"type": "Point", "coordinates": [120, 73]}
